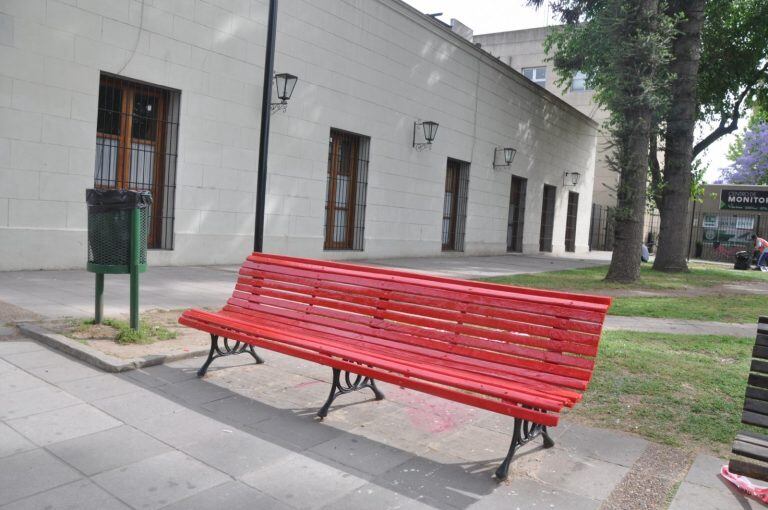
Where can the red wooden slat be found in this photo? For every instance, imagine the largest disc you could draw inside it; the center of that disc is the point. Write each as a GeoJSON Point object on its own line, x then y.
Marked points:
{"type": "Point", "coordinates": [451, 378]}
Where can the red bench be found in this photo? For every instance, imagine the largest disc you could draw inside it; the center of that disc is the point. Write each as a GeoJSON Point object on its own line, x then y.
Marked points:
{"type": "Point", "coordinates": [525, 353]}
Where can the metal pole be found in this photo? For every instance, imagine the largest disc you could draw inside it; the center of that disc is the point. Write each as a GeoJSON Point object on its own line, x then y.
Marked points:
{"type": "Point", "coordinates": [266, 100]}
{"type": "Point", "coordinates": [135, 260]}
{"type": "Point", "coordinates": [99, 298]}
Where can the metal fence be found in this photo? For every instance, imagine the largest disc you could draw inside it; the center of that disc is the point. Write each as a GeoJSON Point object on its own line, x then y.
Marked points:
{"type": "Point", "coordinates": [715, 236]}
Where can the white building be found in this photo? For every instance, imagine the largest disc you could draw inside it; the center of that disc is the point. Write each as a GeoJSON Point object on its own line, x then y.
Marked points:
{"type": "Point", "coordinates": [165, 95]}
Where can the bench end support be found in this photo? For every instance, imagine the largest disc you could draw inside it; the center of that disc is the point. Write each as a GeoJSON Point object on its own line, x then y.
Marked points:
{"type": "Point", "coordinates": [524, 432]}
{"type": "Point", "coordinates": [219, 350]}
{"type": "Point", "coordinates": [349, 383]}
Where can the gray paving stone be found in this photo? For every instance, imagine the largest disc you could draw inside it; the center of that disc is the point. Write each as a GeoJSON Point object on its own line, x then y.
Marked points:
{"type": "Point", "coordinates": [706, 471]}
{"type": "Point", "coordinates": [440, 484]}
{"type": "Point", "coordinates": [692, 496]}
{"type": "Point", "coordinates": [240, 410]}
{"type": "Point", "coordinates": [295, 432]}
{"type": "Point", "coordinates": [99, 387]}
{"type": "Point", "coordinates": [195, 391]}
{"type": "Point", "coordinates": [6, 367]}
{"type": "Point", "coordinates": [375, 497]}
{"type": "Point", "coordinates": [236, 452]}
{"type": "Point", "coordinates": [28, 473]}
{"type": "Point", "coordinates": [8, 347]}
{"type": "Point", "coordinates": [79, 495]}
{"type": "Point", "coordinates": [138, 406]}
{"type": "Point", "coordinates": [35, 400]}
{"type": "Point", "coordinates": [584, 476]}
{"type": "Point", "coordinates": [11, 442]}
{"type": "Point", "coordinates": [184, 427]}
{"type": "Point", "coordinates": [229, 496]}
{"type": "Point", "coordinates": [302, 482]}
{"type": "Point", "coordinates": [160, 480]}
{"type": "Point", "coordinates": [601, 444]}
{"type": "Point", "coordinates": [108, 449]}
{"type": "Point", "coordinates": [170, 374]}
{"type": "Point", "coordinates": [37, 358]}
{"type": "Point", "coordinates": [473, 443]}
{"type": "Point", "coordinates": [362, 454]}
{"type": "Point", "coordinates": [525, 493]}
{"type": "Point", "coordinates": [7, 330]}
{"type": "Point", "coordinates": [64, 372]}
{"type": "Point", "coordinates": [62, 424]}
{"type": "Point", "coordinates": [19, 380]}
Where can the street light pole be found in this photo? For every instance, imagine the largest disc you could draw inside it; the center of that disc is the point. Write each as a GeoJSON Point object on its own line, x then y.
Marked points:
{"type": "Point", "coordinates": [266, 100]}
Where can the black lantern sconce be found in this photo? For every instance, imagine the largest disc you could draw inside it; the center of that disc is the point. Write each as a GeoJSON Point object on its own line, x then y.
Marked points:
{"type": "Point", "coordinates": [571, 178]}
{"type": "Point", "coordinates": [503, 156]}
{"type": "Point", "coordinates": [429, 130]}
{"type": "Point", "coordinates": [284, 85]}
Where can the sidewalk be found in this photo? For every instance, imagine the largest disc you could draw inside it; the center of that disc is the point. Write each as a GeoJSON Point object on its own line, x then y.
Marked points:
{"type": "Point", "coordinates": [245, 437]}
{"type": "Point", "coordinates": [680, 326]}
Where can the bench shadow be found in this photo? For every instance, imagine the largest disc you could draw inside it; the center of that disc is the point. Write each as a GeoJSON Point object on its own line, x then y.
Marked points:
{"type": "Point", "coordinates": [427, 479]}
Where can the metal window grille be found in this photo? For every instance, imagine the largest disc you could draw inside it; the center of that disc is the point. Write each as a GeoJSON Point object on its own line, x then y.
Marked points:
{"type": "Point", "coordinates": [516, 219]}
{"type": "Point", "coordinates": [719, 235]}
{"type": "Point", "coordinates": [347, 191]}
{"type": "Point", "coordinates": [570, 221]}
{"type": "Point", "coordinates": [547, 218]}
{"type": "Point", "coordinates": [455, 205]}
{"type": "Point", "coordinates": [136, 147]}
{"type": "Point", "coordinates": [601, 228]}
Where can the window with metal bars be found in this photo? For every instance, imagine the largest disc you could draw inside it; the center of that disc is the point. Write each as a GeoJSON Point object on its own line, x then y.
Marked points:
{"type": "Point", "coordinates": [516, 218]}
{"type": "Point", "coordinates": [347, 189]}
{"type": "Point", "coordinates": [136, 144]}
{"type": "Point", "coordinates": [455, 204]}
{"type": "Point", "coordinates": [547, 218]}
{"type": "Point", "coordinates": [570, 221]}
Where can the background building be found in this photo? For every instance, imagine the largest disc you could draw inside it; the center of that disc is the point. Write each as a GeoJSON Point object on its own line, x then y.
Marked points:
{"type": "Point", "coordinates": [523, 50]}
{"type": "Point", "coordinates": [166, 96]}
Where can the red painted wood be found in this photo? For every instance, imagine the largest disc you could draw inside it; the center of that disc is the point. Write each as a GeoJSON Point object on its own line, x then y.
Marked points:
{"type": "Point", "coordinates": [491, 346]}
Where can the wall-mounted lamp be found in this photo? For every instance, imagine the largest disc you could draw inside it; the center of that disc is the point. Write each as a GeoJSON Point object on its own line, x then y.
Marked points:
{"type": "Point", "coordinates": [503, 156]}
{"type": "Point", "coordinates": [571, 178]}
{"type": "Point", "coordinates": [284, 85]}
{"type": "Point", "coordinates": [429, 131]}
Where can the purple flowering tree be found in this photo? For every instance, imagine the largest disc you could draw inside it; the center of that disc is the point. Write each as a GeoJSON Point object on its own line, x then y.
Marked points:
{"type": "Point", "coordinates": [751, 167]}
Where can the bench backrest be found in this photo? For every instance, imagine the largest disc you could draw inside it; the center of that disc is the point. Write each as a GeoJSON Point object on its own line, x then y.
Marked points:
{"type": "Point", "coordinates": [756, 398]}
{"type": "Point", "coordinates": [552, 335]}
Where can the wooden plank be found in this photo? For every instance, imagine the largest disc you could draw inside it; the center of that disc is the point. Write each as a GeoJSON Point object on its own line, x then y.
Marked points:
{"type": "Point", "coordinates": [761, 381]}
{"type": "Point", "coordinates": [750, 450]}
{"type": "Point", "coordinates": [756, 406]}
{"type": "Point", "coordinates": [751, 418]}
{"type": "Point", "coordinates": [750, 469]}
{"type": "Point", "coordinates": [757, 393]}
{"type": "Point", "coordinates": [760, 352]}
{"type": "Point", "coordinates": [746, 436]}
{"type": "Point", "coordinates": [759, 366]}
{"type": "Point", "coordinates": [761, 340]}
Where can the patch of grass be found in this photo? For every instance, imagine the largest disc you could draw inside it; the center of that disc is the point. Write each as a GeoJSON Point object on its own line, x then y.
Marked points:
{"type": "Point", "coordinates": [593, 278]}
{"type": "Point", "coordinates": [681, 390]}
{"type": "Point", "coordinates": [146, 334]}
{"type": "Point", "coordinates": [715, 307]}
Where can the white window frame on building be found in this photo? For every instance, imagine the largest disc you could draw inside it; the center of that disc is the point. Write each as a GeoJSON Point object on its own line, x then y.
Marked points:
{"type": "Point", "coordinates": [579, 82]}
{"type": "Point", "coordinates": [136, 147]}
{"type": "Point", "coordinates": [347, 191]}
{"type": "Point", "coordinates": [537, 75]}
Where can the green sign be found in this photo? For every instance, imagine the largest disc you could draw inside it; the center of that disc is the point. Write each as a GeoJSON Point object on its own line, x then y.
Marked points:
{"type": "Point", "coordinates": [744, 200]}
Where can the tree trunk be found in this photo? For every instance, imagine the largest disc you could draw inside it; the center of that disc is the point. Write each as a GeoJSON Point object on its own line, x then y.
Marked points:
{"type": "Point", "coordinates": [678, 155]}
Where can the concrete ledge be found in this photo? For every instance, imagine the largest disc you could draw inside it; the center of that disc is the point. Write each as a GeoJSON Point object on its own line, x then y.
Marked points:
{"type": "Point", "coordinates": [95, 357]}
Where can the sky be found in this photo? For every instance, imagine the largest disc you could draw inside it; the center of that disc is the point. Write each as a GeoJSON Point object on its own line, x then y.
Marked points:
{"type": "Point", "coordinates": [487, 16]}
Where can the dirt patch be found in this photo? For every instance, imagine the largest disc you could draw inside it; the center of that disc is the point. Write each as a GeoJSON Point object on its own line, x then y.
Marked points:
{"type": "Point", "coordinates": [104, 338]}
{"type": "Point", "coordinates": [730, 289]}
{"type": "Point", "coordinates": [12, 313]}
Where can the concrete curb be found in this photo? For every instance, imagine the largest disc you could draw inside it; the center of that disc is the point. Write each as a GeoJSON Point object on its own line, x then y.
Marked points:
{"type": "Point", "coordinates": [97, 358]}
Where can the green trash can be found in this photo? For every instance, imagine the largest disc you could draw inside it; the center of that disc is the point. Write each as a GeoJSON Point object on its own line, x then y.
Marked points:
{"type": "Point", "coordinates": [118, 227]}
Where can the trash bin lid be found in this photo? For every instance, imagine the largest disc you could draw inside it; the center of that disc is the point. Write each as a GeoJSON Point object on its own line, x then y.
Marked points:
{"type": "Point", "coordinates": [116, 199]}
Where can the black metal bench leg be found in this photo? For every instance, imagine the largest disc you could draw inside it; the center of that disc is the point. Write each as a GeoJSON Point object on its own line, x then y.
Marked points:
{"type": "Point", "coordinates": [351, 382]}
{"type": "Point", "coordinates": [219, 350]}
{"type": "Point", "coordinates": [524, 432]}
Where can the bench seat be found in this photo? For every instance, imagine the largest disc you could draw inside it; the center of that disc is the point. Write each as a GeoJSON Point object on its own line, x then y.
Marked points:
{"type": "Point", "coordinates": [524, 353]}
